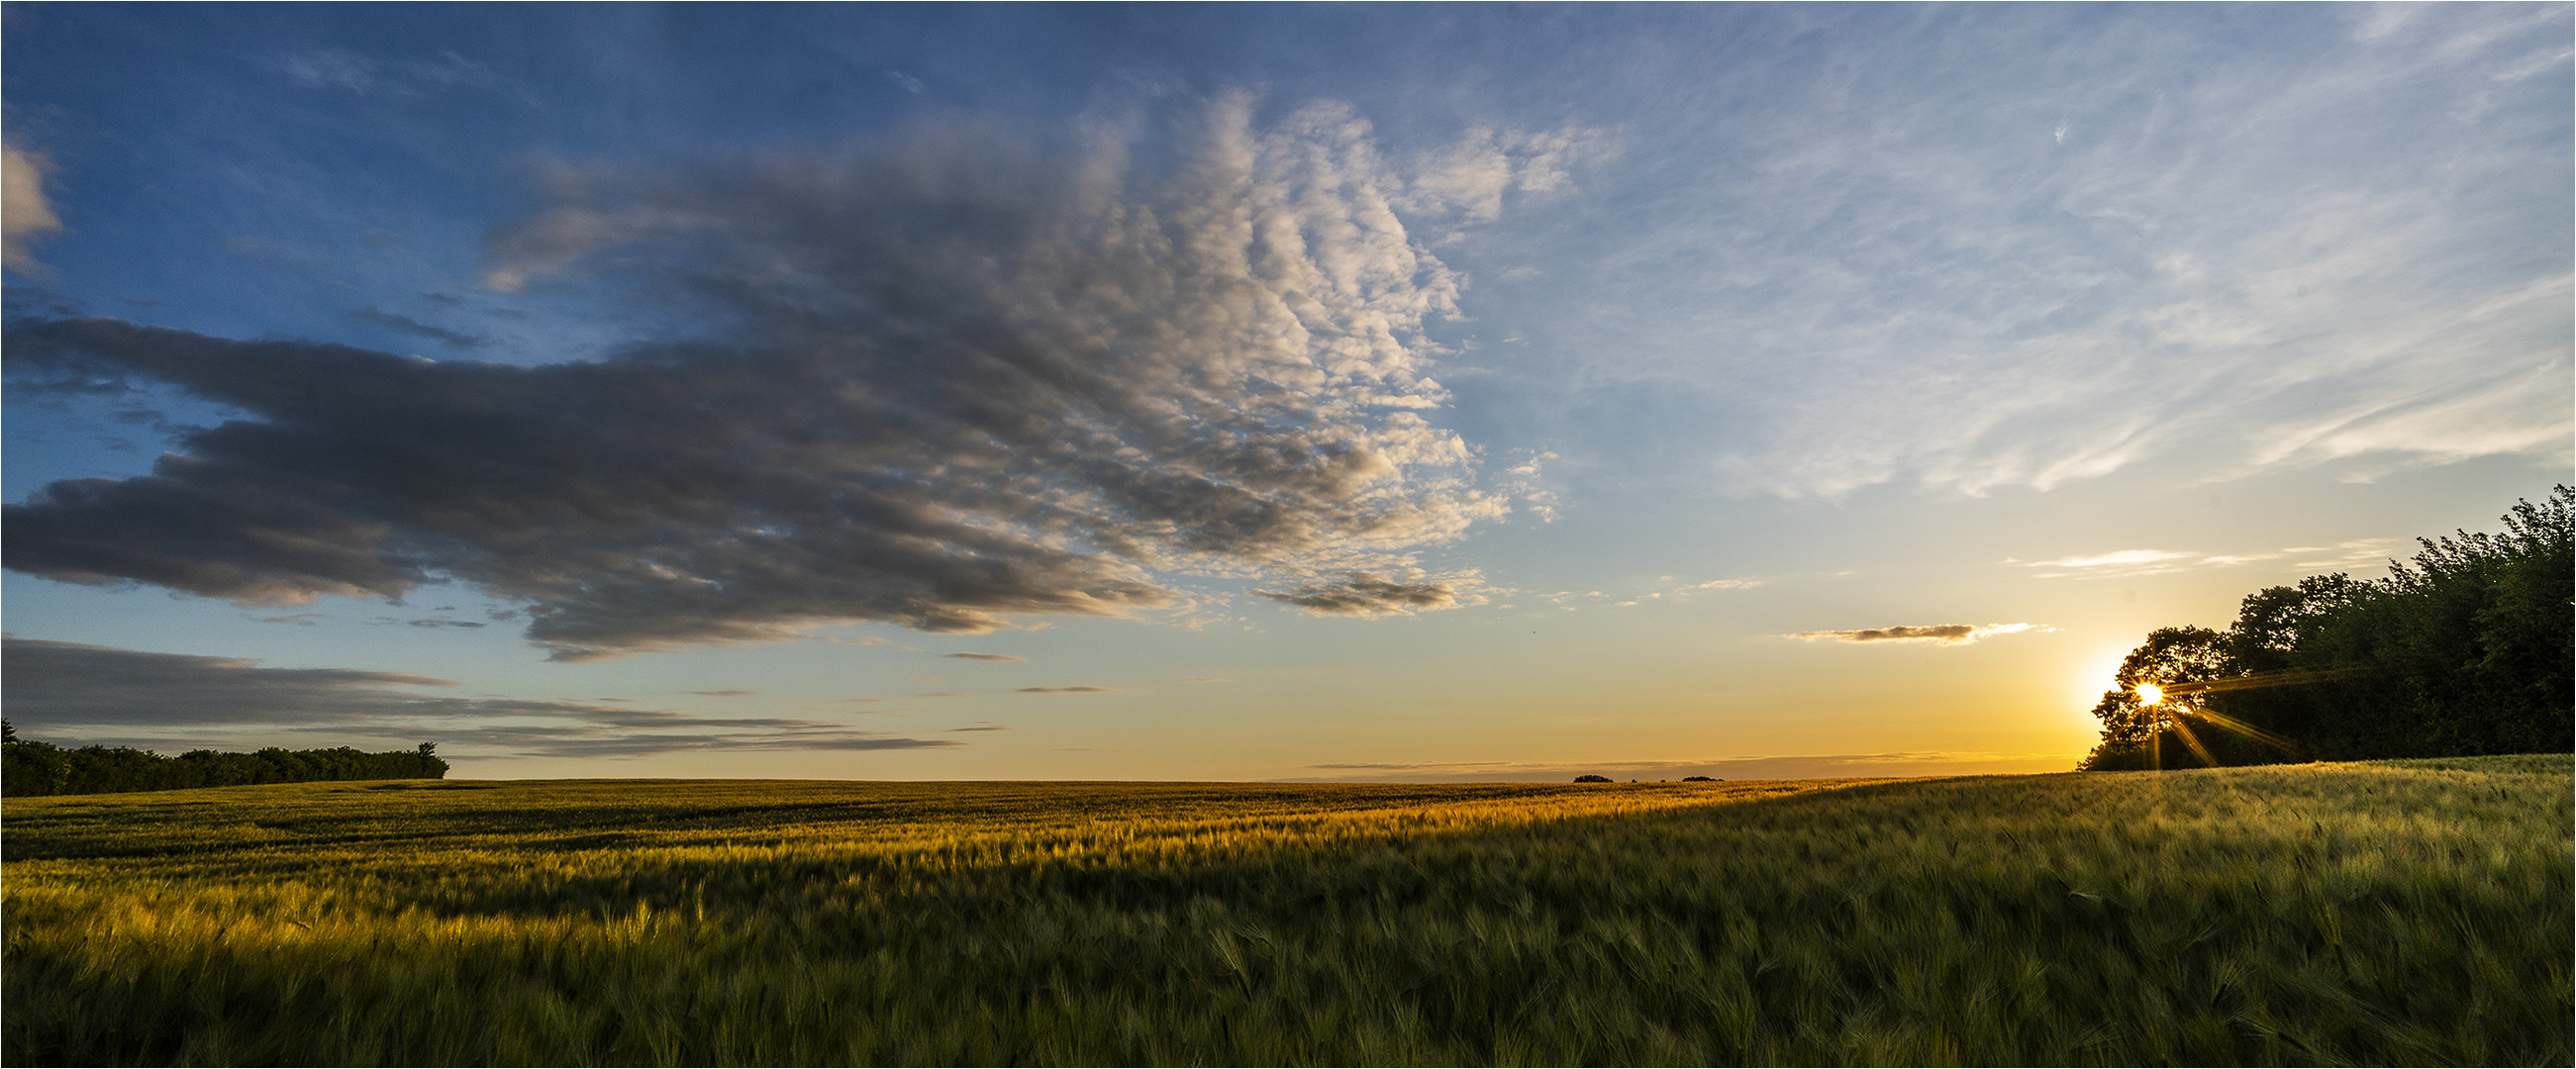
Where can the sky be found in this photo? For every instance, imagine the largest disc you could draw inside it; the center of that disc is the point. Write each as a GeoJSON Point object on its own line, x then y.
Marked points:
{"type": "Point", "coordinates": [1266, 392]}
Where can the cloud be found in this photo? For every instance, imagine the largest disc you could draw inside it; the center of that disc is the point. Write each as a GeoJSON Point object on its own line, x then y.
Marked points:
{"type": "Point", "coordinates": [737, 694]}
{"type": "Point", "coordinates": [983, 657]}
{"type": "Point", "coordinates": [1067, 690]}
{"type": "Point", "coordinates": [1363, 594]}
{"type": "Point", "coordinates": [1942, 634]}
{"type": "Point", "coordinates": [2118, 558]}
{"type": "Point", "coordinates": [26, 215]}
{"type": "Point", "coordinates": [339, 69]}
{"type": "Point", "coordinates": [64, 691]}
{"type": "Point", "coordinates": [2131, 563]}
{"type": "Point", "coordinates": [2274, 264]}
{"type": "Point", "coordinates": [1470, 177]}
{"type": "Point", "coordinates": [984, 727]}
{"type": "Point", "coordinates": [1821, 766]}
{"type": "Point", "coordinates": [940, 383]}
{"type": "Point", "coordinates": [434, 622]}
{"type": "Point", "coordinates": [418, 329]}
{"type": "Point", "coordinates": [330, 69]}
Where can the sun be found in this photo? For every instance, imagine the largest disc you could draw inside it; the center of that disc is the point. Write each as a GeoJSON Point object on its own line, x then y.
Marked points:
{"type": "Point", "coordinates": [2150, 694]}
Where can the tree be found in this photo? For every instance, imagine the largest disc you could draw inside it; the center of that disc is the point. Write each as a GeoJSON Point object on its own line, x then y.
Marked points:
{"type": "Point", "coordinates": [2136, 732]}
{"type": "Point", "coordinates": [2465, 649]}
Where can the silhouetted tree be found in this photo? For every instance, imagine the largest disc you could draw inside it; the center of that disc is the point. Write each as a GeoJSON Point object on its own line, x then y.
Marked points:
{"type": "Point", "coordinates": [29, 768]}
{"type": "Point", "coordinates": [2467, 649]}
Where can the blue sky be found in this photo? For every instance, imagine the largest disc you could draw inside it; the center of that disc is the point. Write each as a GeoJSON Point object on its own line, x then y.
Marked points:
{"type": "Point", "coordinates": [1240, 392]}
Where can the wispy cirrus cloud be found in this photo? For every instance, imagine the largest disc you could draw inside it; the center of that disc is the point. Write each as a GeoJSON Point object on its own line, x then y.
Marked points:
{"type": "Point", "coordinates": [942, 382]}
{"type": "Point", "coordinates": [1938, 634]}
{"type": "Point", "coordinates": [2131, 563]}
{"type": "Point", "coordinates": [402, 324]}
{"type": "Point", "coordinates": [1928, 275]}
{"type": "Point", "coordinates": [2122, 558]}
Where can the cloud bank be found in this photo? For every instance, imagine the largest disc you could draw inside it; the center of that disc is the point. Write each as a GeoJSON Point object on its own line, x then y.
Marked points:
{"type": "Point", "coordinates": [938, 384]}
{"type": "Point", "coordinates": [1941, 634]}
{"type": "Point", "coordinates": [70, 692]}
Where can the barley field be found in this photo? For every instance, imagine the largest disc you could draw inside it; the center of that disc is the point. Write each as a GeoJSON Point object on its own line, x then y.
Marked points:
{"type": "Point", "coordinates": [2414, 913]}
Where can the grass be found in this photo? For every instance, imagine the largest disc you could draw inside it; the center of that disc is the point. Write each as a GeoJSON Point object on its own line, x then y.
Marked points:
{"type": "Point", "coordinates": [2389, 913]}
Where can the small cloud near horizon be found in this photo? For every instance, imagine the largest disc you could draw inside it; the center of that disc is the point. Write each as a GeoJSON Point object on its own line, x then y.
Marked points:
{"type": "Point", "coordinates": [1067, 690]}
{"type": "Point", "coordinates": [983, 657]}
{"type": "Point", "coordinates": [1942, 634]}
{"type": "Point", "coordinates": [1749, 767]}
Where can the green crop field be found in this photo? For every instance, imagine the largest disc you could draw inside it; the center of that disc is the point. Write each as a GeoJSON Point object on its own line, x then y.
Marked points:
{"type": "Point", "coordinates": [2399, 913]}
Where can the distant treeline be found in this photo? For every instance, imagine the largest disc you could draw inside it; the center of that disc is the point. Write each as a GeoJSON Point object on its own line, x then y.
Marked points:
{"type": "Point", "coordinates": [2465, 651]}
{"type": "Point", "coordinates": [40, 768]}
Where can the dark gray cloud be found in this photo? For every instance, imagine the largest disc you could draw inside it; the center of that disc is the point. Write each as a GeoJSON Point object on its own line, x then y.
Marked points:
{"type": "Point", "coordinates": [1363, 594]}
{"type": "Point", "coordinates": [940, 385]}
{"type": "Point", "coordinates": [983, 657]}
{"type": "Point", "coordinates": [65, 691]}
{"type": "Point", "coordinates": [407, 325]}
{"type": "Point", "coordinates": [1943, 634]}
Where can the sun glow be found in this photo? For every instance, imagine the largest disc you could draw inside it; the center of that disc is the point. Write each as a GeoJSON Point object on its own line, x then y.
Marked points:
{"type": "Point", "coordinates": [2150, 693]}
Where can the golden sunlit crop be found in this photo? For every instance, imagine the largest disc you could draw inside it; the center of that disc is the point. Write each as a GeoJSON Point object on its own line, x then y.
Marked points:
{"type": "Point", "coordinates": [2393, 913]}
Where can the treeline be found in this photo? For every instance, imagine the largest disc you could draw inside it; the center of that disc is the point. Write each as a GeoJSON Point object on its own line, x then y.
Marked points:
{"type": "Point", "coordinates": [40, 768]}
{"type": "Point", "coordinates": [2464, 651]}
